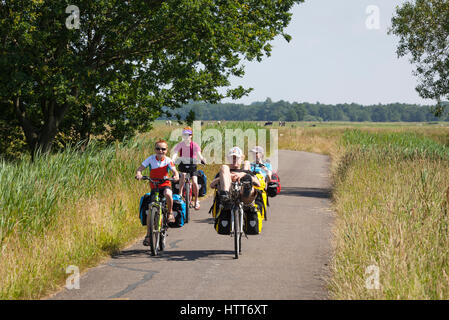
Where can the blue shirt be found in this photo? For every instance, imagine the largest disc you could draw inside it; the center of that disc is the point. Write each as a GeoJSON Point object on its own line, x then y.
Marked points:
{"type": "Point", "coordinates": [258, 169]}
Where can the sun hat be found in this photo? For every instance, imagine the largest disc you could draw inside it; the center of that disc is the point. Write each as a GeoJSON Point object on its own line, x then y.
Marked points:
{"type": "Point", "coordinates": [235, 151]}
{"type": "Point", "coordinates": [187, 130]}
{"type": "Point", "coordinates": [257, 149]}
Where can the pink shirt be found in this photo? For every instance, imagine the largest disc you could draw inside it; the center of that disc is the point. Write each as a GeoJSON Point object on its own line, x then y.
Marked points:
{"type": "Point", "coordinates": [185, 151]}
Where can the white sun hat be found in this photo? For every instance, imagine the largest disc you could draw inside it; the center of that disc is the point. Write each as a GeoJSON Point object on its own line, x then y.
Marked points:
{"type": "Point", "coordinates": [257, 149]}
{"type": "Point", "coordinates": [235, 151]}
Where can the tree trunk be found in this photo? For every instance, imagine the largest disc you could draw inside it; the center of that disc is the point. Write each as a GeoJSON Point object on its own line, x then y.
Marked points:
{"type": "Point", "coordinates": [41, 139]}
{"type": "Point", "coordinates": [86, 126]}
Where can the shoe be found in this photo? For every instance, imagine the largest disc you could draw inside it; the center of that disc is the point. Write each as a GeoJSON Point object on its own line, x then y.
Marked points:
{"type": "Point", "coordinates": [171, 218]}
{"type": "Point", "coordinates": [146, 241]}
{"type": "Point", "coordinates": [247, 183]}
{"type": "Point", "coordinates": [197, 205]}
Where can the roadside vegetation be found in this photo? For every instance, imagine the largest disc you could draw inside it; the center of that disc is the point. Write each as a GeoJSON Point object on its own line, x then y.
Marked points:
{"type": "Point", "coordinates": [390, 197]}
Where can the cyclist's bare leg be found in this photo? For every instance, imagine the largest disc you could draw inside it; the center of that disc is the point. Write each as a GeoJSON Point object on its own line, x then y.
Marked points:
{"type": "Point", "coordinates": [169, 197]}
{"type": "Point", "coordinates": [225, 178]}
{"type": "Point", "coordinates": [182, 179]}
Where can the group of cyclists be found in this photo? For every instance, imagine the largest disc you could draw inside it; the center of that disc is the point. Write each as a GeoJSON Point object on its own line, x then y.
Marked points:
{"type": "Point", "coordinates": [188, 152]}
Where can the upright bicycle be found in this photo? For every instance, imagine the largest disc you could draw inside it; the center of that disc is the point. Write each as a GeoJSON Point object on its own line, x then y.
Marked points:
{"type": "Point", "coordinates": [158, 217]}
{"type": "Point", "coordinates": [188, 169]}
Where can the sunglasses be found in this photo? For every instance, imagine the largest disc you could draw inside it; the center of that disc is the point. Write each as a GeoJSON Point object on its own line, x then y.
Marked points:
{"type": "Point", "coordinates": [159, 149]}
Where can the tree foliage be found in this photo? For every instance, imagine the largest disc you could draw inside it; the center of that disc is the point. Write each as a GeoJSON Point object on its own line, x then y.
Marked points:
{"type": "Point", "coordinates": [304, 111]}
{"type": "Point", "coordinates": [423, 30]}
{"type": "Point", "coordinates": [127, 60]}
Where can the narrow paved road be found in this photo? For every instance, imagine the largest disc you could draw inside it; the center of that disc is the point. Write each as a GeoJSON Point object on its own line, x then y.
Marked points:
{"type": "Point", "coordinates": [289, 260]}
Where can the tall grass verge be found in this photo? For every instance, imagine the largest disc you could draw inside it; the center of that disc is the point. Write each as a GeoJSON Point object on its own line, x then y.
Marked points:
{"type": "Point", "coordinates": [390, 195]}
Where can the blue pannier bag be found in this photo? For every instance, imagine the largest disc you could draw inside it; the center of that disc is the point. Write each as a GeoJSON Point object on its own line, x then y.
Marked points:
{"type": "Point", "coordinates": [179, 211]}
{"type": "Point", "coordinates": [202, 181]}
{"type": "Point", "coordinates": [143, 207]}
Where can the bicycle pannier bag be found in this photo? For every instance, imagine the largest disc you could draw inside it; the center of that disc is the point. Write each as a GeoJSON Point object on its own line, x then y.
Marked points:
{"type": "Point", "coordinates": [179, 211]}
{"type": "Point", "coordinates": [202, 181]}
{"type": "Point", "coordinates": [253, 218]}
{"type": "Point", "coordinates": [222, 217]}
{"type": "Point", "coordinates": [223, 221]}
{"type": "Point", "coordinates": [274, 186]}
{"type": "Point", "coordinates": [143, 207]}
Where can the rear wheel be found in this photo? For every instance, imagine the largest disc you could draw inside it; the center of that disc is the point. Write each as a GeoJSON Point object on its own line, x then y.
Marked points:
{"type": "Point", "coordinates": [155, 229]}
{"type": "Point", "coordinates": [187, 197]}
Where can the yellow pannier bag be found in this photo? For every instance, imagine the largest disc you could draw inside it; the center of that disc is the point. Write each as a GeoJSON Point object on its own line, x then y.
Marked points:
{"type": "Point", "coordinates": [253, 218]}
{"type": "Point", "coordinates": [262, 194]}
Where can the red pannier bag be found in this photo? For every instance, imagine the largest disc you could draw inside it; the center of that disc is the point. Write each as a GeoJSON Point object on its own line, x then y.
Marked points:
{"type": "Point", "coordinates": [274, 186]}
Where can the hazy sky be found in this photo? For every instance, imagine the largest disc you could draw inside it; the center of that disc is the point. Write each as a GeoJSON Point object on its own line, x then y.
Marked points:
{"type": "Point", "coordinates": [334, 57]}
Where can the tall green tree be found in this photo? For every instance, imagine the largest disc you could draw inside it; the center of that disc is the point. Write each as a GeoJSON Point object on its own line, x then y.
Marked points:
{"type": "Point", "coordinates": [423, 30]}
{"type": "Point", "coordinates": [112, 72]}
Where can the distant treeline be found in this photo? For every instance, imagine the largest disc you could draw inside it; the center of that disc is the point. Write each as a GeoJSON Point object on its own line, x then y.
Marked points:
{"type": "Point", "coordinates": [286, 111]}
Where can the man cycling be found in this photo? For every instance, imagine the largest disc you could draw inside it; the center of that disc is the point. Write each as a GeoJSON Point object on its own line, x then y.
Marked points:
{"type": "Point", "coordinates": [237, 170]}
{"type": "Point", "coordinates": [160, 165]}
{"type": "Point", "coordinates": [259, 165]}
{"type": "Point", "coordinates": [189, 152]}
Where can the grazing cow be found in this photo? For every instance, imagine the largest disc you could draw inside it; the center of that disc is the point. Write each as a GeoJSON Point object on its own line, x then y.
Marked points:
{"type": "Point", "coordinates": [218, 122]}
{"type": "Point", "coordinates": [268, 123]}
{"type": "Point", "coordinates": [168, 123]}
{"type": "Point", "coordinates": [281, 123]}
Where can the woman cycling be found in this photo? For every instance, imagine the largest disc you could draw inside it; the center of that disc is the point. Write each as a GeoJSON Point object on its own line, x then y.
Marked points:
{"type": "Point", "coordinates": [189, 153]}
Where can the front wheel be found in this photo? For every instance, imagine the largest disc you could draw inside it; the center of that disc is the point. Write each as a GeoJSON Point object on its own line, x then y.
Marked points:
{"type": "Point", "coordinates": [237, 234]}
{"type": "Point", "coordinates": [163, 234]}
{"type": "Point", "coordinates": [155, 229]}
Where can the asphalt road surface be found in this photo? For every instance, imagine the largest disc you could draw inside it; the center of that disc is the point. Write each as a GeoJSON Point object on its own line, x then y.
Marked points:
{"type": "Point", "coordinates": [289, 260]}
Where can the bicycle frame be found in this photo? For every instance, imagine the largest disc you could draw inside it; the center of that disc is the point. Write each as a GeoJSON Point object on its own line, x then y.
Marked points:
{"type": "Point", "coordinates": [237, 217]}
{"type": "Point", "coordinates": [157, 225]}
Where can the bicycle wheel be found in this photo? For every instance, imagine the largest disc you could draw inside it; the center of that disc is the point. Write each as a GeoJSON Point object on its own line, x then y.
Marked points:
{"type": "Point", "coordinates": [163, 234]}
{"type": "Point", "coordinates": [237, 233]}
{"type": "Point", "coordinates": [187, 197]}
{"type": "Point", "coordinates": [241, 229]}
{"type": "Point", "coordinates": [155, 228]}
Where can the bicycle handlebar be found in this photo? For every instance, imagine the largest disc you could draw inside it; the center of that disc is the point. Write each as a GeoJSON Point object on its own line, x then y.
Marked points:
{"type": "Point", "coordinates": [158, 181]}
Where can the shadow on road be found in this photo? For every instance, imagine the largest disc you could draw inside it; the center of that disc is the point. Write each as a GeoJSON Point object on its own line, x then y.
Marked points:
{"type": "Point", "coordinates": [135, 253]}
{"type": "Point", "coordinates": [192, 255]}
{"type": "Point", "coordinates": [173, 255]}
{"type": "Point", "coordinates": [306, 192]}
{"type": "Point", "coordinates": [207, 220]}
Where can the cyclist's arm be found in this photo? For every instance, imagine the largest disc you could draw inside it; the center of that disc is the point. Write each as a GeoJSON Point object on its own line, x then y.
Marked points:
{"type": "Point", "coordinates": [176, 174]}
{"type": "Point", "coordinates": [200, 156]}
{"type": "Point", "coordinates": [172, 168]}
{"type": "Point", "coordinates": [256, 181]}
{"type": "Point", "coordinates": [215, 183]}
{"type": "Point", "coordinates": [139, 172]}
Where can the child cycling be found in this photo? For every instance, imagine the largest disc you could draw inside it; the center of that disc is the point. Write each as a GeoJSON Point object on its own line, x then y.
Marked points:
{"type": "Point", "coordinates": [189, 152]}
{"type": "Point", "coordinates": [160, 165]}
